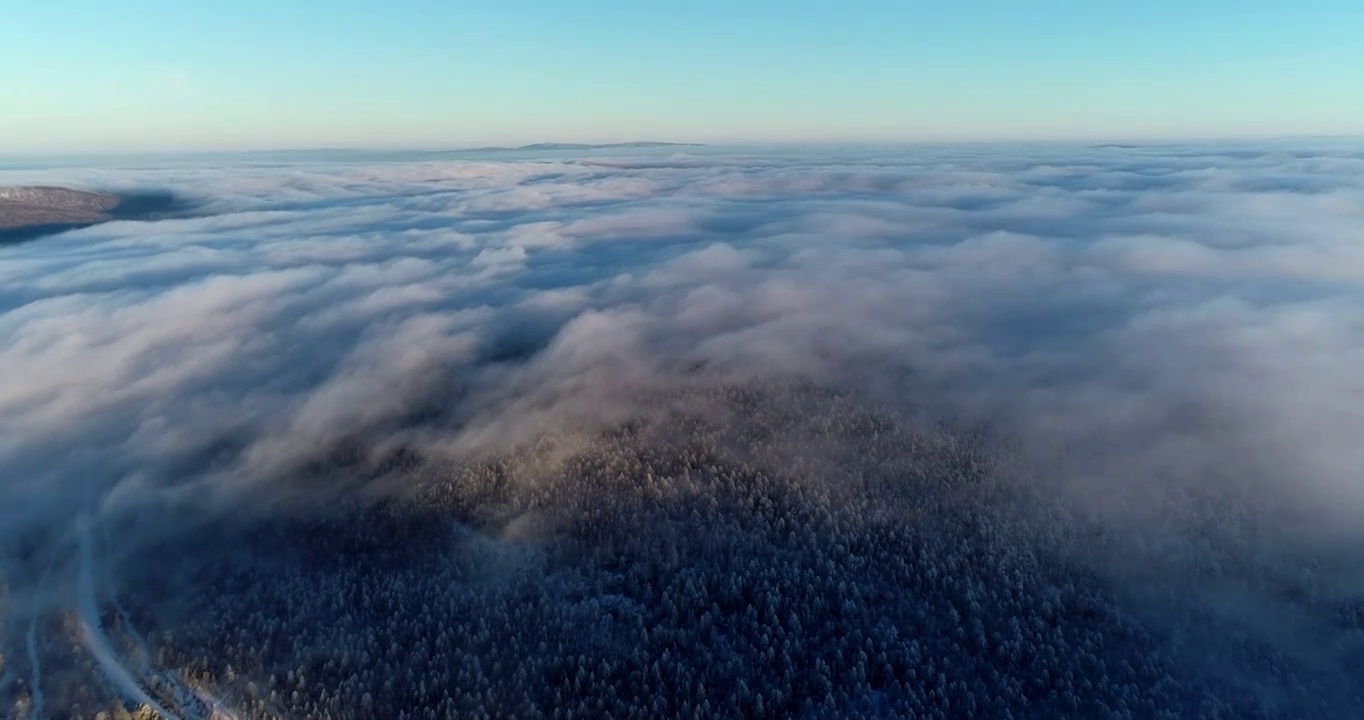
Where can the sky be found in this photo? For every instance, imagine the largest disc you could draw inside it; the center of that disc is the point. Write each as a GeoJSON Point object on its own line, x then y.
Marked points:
{"type": "Point", "coordinates": [259, 74]}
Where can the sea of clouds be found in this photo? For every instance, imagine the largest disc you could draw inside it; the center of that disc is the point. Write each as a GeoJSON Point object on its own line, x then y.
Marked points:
{"type": "Point", "coordinates": [1167, 338]}
{"type": "Point", "coordinates": [1169, 335]}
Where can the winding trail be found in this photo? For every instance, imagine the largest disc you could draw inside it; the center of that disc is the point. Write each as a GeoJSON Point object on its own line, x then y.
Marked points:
{"type": "Point", "coordinates": [136, 678]}
{"type": "Point", "coordinates": [143, 657]}
{"type": "Point", "coordinates": [87, 609]}
{"type": "Point", "coordinates": [194, 703]}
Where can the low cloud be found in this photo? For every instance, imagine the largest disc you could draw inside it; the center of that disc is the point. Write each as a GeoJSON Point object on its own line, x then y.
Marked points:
{"type": "Point", "coordinates": [974, 271]}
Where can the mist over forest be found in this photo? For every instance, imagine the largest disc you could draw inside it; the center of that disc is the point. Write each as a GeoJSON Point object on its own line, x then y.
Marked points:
{"type": "Point", "coordinates": [1027, 431]}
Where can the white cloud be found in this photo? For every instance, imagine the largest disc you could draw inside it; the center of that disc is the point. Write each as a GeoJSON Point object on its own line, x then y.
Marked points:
{"type": "Point", "coordinates": [1083, 296]}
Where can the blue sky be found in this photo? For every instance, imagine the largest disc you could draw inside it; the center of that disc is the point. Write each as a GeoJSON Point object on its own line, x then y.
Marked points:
{"type": "Point", "coordinates": [139, 75]}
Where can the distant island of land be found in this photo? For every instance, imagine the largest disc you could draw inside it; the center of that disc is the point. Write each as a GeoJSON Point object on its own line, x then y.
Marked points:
{"type": "Point", "coordinates": [34, 211]}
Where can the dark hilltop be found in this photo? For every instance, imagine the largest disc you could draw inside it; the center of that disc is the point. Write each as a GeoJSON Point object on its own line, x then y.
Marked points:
{"type": "Point", "coordinates": [31, 212]}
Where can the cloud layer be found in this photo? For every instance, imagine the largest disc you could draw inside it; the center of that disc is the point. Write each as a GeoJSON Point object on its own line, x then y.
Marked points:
{"type": "Point", "coordinates": [1121, 293]}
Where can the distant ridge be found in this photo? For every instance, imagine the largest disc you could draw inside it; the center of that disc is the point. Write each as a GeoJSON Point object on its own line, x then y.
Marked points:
{"type": "Point", "coordinates": [585, 146]}
{"type": "Point", "coordinates": [360, 154]}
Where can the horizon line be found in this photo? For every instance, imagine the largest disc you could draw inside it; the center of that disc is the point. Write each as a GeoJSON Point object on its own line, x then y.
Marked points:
{"type": "Point", "coordinates": [1094, 142]}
